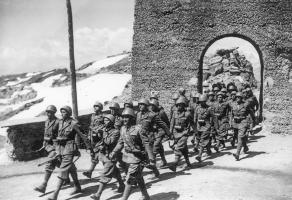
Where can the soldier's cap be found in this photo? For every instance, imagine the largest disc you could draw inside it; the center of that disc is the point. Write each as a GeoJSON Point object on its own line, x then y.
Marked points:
{"type": "Point", "coordinates": [154, 102]}
{"type": "Point", "coordinates": [181, 100]}
{"type": "Point", "coordinates": [233, 92]}
{"type": "Point", "coordinates": [129, 112]}
{"type": "Point", "coordinates": [67, 109]}
{"type": "Point", "coordinates": [98, 104]}
{"type": "Point", "coordinates": [238, 94]}
{"type": "Point", "coordinates": [175, 96]}
{"type": "Point", "coordinates": [203, 98]}
{"type": "Point", "coordinates": [51, 108]}
{"type": "Point", "coordinates": [143, 101]}
{"type": "Point", "coordinates": [211, 93]}
{"type": "Point", "coordinates": [220, 94]}
{"type": "Point", "coordinates": [114, 105]}
{"type": "Point", "coordinates": [110, 117]}
{"type": "Point", "coordinates": [231, 87]}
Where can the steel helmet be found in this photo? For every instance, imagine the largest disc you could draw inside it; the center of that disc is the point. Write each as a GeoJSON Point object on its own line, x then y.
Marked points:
{"type": "Point", "coordinates": [216, 89]}
{"type": "Point", "coordinates": [110, 117]}
{"type": "Point", "coordinates": [181, 91]}
{"type": "Point", "coordinates": [97, 103]}
{"type": "Point", "coordinates": [220, 94]}
{"type": "Point", "coordinates": [129, 103]}
{"type": "Point", "coordinates": [51, 108]}
{"type": "Point", "coordinates": [143, 101]}
{"type": "Point", "coordinates": [129, 112]}
{"type": "Point", "coordinates": [181, 100]}
{"type": "Point", "coordinates": [231, 88]}
{"type": "Point", "coordinates": [114, 105]}
{"type": "Point", "coordinates": [224, 90]}
{"type": "Point", "coordinates": [175, 96]}
{"type": "Point", "coordinates": [205, 84]}
{"type": "Point", "coordinates": [68, 109]}
{"type": "Point", "coordinates": [233, 92]}
{"type": "Point", "coordinates": [211, 93]}
{"type": "Point", "coordinates": [154, 96]}
{"type": "Point", "coordinates": [238, 94]}
{"type": "Point", "coordinates": [203, 98]}
{"type": "Point", "coordinates": [193, 94]}
{"type": "Point", "coordinates": [154, 102]}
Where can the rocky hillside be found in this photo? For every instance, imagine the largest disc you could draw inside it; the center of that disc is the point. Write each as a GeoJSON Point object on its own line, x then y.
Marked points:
{"type": "Point", "coordinates": [21, 92]}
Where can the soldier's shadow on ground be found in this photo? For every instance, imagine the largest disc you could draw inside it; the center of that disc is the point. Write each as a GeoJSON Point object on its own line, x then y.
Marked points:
{"type": "Point", "coordinates": [254, 138]}
{"type": "Point", "coordinates": [165, 196]}
{"type": "Point", "coordinates": [92, 189]}
{"type": "Point", "coordinates": [251, 154]}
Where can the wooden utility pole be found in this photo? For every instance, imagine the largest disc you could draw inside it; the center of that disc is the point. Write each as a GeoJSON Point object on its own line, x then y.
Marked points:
{"type": "Point", "coordinates": [72, 60]}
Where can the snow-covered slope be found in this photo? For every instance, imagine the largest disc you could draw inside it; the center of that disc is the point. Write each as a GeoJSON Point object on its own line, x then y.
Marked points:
{"type": "Point", "coordinates": [96, 66]}
{"type": "Point", "coordinates": [99, 87]}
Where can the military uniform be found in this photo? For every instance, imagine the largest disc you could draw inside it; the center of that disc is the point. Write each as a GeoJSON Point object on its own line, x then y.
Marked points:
{"type": "Point", "coordinates": [136, 145]}
{"type": "Point", "coordinates": [67, 147]}
{"type": "Point", "coordinates": [203, 119]}
{"type": "Point", "coordinates": [241, 112]}
{"type": "Point", "coordinates": [221, 122]}
{"type": "Point", "coordinates": [50, 134]}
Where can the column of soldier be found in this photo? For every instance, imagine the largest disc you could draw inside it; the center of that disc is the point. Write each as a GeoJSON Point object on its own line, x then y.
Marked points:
{"type": "Point", "coordinates": [129, 142]}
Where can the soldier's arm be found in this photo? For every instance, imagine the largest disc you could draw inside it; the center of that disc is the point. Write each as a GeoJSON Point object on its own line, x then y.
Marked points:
{"type": "Point", "coordinates": [161, 124]}
{"type": "Point", "coordinates": [250, 110]}
{"type": "Point", "coordinates": [113, 138]}
{"type": "Point", "coordinates": [164, 118]}
{"type": "Point", "coordinates": [119, 146]}
{"type": "Point", "coordinates": [191, 122]}
{"type": "Point", "coordinates": [86, 141]}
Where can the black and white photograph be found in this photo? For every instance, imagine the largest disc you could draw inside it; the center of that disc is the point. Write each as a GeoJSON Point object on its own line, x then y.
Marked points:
{"type": "Point", "coordinates": [145, 99]}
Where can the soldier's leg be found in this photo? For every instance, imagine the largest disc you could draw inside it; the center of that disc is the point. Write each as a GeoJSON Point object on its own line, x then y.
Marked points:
{"type": "Point", "coordinates": [142, 186]}
{"type": "Point", "coordinates": [66, 162]}
{"type": "Point", "coordinates": [177, 156]}
{"type": "Point", "coordinates": [122, 164]}
{"type": "Point", "coordinates": [73, 172]}
{"type": "Point", "coordinates": [244, 144]}
{"type": "Point", "coordinates": [185, 152]}
{"type": "Point", "coordinates": [242, 134]}
{"type": "Point", "coordinates": [134, 171]}
{"type": "Point", "coordinates": [162, 155]}
{"type": "Point", "coordinates": [94, 162]}
{"type": "Point", "coordinates": [201, 147]}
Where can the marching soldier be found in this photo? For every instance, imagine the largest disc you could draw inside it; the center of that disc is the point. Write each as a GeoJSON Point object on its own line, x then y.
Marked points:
{"type": "Point", "coordinates": [115, 111]}
{"type": "Point", "coordinates": [66, 149]}
{"type": "Point", "coordinates": [221, 122]}
{"type": "Point", "coordinates": [135, 142]}
{"type": "Point", "coordinates": [224, 91]}
{"type": "Point", "coordinates": [147, 120]}
{"type": "Point", "coordinates": [174, 97]}
{"type": "Point", "coordinates": [204, 123]}
{"type": "Point", "coordinates": [240, 112]}
{"type": "Point", "coordinates": [211, 102]}
{"type": "Point", "coordinates": [158, 133]}
{"type": "Point", "coordinates": [51, 132]}
{"type": "Point", "coordinates": [95, 134]}
{"type": "Point", "coordinates": [106, 146]}
{"type": "Point", "coordinates": [192, 107]}
{"type": "Point", "coordinates": [180, 127]}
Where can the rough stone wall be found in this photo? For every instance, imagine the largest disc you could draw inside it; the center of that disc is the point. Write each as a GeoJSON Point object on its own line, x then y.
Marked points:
{"type": "Point", "coordinates": [170, 35]}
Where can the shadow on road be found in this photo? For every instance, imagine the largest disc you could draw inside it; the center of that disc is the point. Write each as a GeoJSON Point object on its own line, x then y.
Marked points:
{"type": "Point", "coordinates": [165, 196]}
{"type": "Point", "coordinates": [251, 154]}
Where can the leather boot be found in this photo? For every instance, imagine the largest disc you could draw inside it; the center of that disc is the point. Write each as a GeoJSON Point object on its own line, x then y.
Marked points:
{"type": "Point", "coordinates": [88, 173]}
{"type": "Point", "coordinates": [77, 187]}
{"type": "Point", "coordinates": [142, 186]}
{"type": "Point", "coordinates": [97, 195]}
{"type": "Point", "coordinates": [164, 162]}
{"type": "Point", "coordinates": [174, 165]}
{"type": "Point", "coordinates": [67, 181]}
{"type": "Point", "coordinates": [121, 187]}
{"type": "Point", "coordinates": [54, 196]}
{"type": "Point", "coordinates": [216, 147]}
{"type": "Point", "coordinates": [186, 157]}
{"type": "Point", "coordinates": [42, 188]}
{"type": "Point", "coordinates": [127, 192]}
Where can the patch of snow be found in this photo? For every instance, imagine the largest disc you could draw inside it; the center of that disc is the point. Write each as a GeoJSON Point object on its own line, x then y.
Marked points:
{"type": "Point", "coordinates": [4, 159]}
{"type": "Point", "coordinates": [21, 93]}
{"type": "Point", "coordinates": [96, 66]}
{"type": "Point", "coordinates": [19, 80]}
{"type": "Point", "coordinates": [30, 74]}
{"type": "Point", "coordinates": [101, 87]}
{"type": "Point", "coordinates": [48, 73]}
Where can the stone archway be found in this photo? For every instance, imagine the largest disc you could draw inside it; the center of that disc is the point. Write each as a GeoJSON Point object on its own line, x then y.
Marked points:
{"type": "Point", "coordinates": [254, 44]}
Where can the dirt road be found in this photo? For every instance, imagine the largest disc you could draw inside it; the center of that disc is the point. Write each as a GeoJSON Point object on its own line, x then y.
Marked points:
{"type": "Point", "coordinates": [264, 173]}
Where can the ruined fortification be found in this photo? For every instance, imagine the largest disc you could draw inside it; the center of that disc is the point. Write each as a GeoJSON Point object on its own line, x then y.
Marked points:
{"type": "Point", "coordinates": [172, 36]}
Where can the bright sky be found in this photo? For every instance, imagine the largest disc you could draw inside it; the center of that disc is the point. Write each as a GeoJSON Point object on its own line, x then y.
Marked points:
{"type": "Point", "coordinates": [34, 33]}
